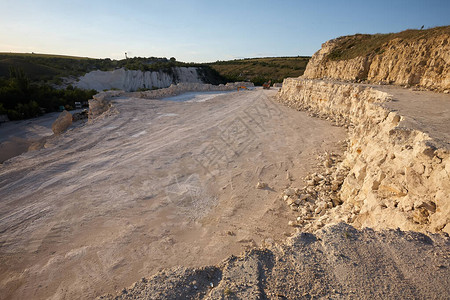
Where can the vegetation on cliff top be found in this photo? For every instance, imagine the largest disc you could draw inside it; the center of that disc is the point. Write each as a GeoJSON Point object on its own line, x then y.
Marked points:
{"type": "Point", "coordinates": [260, 70]}
{"type": "Point", "coordinates": [348, 47]}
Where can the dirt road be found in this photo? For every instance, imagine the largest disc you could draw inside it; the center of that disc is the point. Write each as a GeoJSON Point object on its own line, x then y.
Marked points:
{"type": "Point", "coordinates": [157, 185]}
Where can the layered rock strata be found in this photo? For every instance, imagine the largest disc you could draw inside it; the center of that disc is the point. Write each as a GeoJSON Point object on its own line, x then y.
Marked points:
{"type": "Point", "coordinates": [132, 80]}
{"type": "Point", "coordinates": [422, 61]}
{"type": "Point", "coordinates": [389, 177]}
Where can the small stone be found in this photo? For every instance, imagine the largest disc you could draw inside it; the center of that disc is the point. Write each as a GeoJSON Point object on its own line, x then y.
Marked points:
{"type": "Point", "coordinates": [328, 163]}
{"type": "Point", "coordinates": [310, 183]}
{"type": "Point", "coordinates": [420, 216]}
{"type": "Point", "coordinates": [303, 211]}
{"type": "Point", "coordinates": [261, 185]}
{"type": "Point", "coordinates": [288, 176]}
{"type": "Point", "coordinates": [290, 192]}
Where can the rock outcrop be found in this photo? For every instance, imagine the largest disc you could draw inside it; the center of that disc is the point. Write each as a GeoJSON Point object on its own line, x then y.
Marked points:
{"type": "Point", "coordinates": [100, 103]}
{"type": "Point", "coordinates": [392, 176]}
{"type": "Point", "coordinates": [133, 80]}
{"type": "Point", "coordinates": [63, 122]}
{"type": "Point", "coordinates": [415, 58]}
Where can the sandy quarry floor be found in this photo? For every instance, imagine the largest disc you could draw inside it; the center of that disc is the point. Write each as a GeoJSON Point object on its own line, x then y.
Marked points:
{"type": "Point", "coordinates": [158, 185]}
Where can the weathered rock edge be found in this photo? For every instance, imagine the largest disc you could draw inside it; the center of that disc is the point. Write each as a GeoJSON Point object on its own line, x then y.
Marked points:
{"type": "Point", "coordinates": [423, 62]}
{"type": "Point", "coordinates": [101, 104]}
{"type": "Point", "coordinates": [399, 177]}
{"type": "Point", "coordinates": [338, 262]}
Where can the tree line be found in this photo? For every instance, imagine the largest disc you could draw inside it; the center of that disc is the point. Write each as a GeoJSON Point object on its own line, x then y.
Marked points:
{"type": "Point", "coordinates": [22, 99]}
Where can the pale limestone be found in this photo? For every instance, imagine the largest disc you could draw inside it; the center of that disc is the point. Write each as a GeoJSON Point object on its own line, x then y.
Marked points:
{"type": "Point", "coordinates": [397, 176]}
{"type": "Point", "coordinates": [421, 62]}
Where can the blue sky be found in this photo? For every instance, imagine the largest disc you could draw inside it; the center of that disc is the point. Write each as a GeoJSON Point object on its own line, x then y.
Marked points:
{"type": "Point", "coordinates": [200, 30]}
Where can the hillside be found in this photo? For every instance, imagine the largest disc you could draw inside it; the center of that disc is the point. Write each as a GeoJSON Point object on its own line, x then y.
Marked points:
{"type": "Point", "coordinates": [51, 68]}
{"type": "Point", "coordinates": [259, 70]}
{"type": "Point", "coordinates": [31, 84]}
{"type": "Point", "coordinates": [412, 57]}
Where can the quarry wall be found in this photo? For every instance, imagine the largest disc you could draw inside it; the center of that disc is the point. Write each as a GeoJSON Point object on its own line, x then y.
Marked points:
{"type": "Point", "coordinates": [132, 80]}
{"type": "Point", "coordinates": [395, 177]}
{"type": "Point", "coordinates": [423, 62]}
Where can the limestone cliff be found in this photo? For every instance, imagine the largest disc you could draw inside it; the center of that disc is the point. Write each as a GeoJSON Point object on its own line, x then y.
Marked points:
{"type": "Point", "coordinates": [412, 57]}
{"type": "Point", "coordinates": [132, 80]}
{"type": "Point", "coordinates": [391, 175]}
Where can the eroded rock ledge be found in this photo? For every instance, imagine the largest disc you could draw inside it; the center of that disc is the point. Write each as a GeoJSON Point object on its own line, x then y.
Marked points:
{"type": "Point", "coordinates": [396, 176]}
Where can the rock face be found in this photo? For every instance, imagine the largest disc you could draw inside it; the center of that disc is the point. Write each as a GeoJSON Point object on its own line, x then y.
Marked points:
{"type": "Point", "coordinates": [398, 177]}
{"type": "Point", "coordinates": [63, 122]}
{"type": "Point", "coordinates": [132, 80]}
{"type": "Point", "coordinates": [423, 61]}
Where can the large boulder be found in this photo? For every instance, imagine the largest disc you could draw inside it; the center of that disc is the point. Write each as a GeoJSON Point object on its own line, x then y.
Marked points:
{"type": "Point", "coordinates": [62, 123]}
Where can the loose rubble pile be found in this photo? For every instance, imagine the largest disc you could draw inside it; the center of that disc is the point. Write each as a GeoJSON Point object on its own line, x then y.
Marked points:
{"type": "Point", "coordinates": [319, 201]}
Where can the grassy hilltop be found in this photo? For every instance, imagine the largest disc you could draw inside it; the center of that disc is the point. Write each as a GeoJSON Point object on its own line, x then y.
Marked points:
{"type": "Point", "coordinates": [348, 47]}
{"type": "Point", "coordinates": [259, 70]}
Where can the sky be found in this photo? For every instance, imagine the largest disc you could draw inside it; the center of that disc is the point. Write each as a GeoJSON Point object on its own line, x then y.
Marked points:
{"type": "Point", "coordinates": [202, 30]}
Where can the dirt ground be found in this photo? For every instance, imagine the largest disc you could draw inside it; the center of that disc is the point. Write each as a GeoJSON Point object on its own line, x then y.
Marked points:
{"type": "Point", "coordinates": [426, 111]}
{"type": "Point", "coordinates": [159, 184]}
{"type": "Point", "coordinates": [337, 262]}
